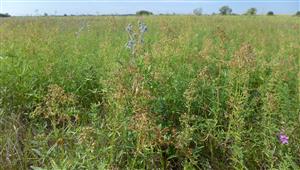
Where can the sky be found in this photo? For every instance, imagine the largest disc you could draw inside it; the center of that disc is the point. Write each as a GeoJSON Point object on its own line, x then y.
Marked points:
{"type": "Point", "coordinates": [60, 7]}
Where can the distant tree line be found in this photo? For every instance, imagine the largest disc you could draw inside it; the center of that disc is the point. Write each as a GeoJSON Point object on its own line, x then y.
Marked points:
{"type": "Point", "coordinates": [141, 12]}
{"type": "Point", "coordinates": [224, 10]}
{"type": "Point", "coordinates": [4, 15]}
{"type": "Point", "coordinates": [270, 13]}
{"type": "Point", "coordinates": [251, 11]}
{"type": "Point", "coordinates": [198, 11]}
{"type": "Point", "coordinates": [144, 12]}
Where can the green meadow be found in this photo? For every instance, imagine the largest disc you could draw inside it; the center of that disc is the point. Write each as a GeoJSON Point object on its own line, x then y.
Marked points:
{"type": "Point", "coordinates": [200, 92]}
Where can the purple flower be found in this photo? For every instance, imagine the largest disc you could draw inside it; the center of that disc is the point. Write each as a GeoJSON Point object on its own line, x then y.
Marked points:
{"type": "Point", "coordinates": [283, 138]}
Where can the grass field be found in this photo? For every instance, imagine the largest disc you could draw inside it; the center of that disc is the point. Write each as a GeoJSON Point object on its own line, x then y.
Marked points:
{"type": "Point", "coordinates": [207, 92]}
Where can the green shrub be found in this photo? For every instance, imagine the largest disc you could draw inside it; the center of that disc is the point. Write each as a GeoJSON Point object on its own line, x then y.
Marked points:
{"type": "Point", "coordinates": [144, 12]}
{"type": "Point", "coordinates": [270, 13]}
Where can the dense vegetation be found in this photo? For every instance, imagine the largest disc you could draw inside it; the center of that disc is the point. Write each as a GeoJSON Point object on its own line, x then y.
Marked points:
{"type": "Point", "coordinates": [270, 13]}
{"type": "Point", "coordinates": [199, 93]}
{"type": "Point", "coordinates": [4, 15]}
{"type": "Point", "coordinates": [144, 12]}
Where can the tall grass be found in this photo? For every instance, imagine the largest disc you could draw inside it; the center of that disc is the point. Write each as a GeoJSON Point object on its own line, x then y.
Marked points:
{"type": "Point", "coordinates": [203, 93]}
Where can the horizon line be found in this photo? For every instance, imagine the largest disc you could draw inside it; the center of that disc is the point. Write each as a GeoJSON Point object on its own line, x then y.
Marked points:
{"type": "Point", "coordinates": [145, 1]}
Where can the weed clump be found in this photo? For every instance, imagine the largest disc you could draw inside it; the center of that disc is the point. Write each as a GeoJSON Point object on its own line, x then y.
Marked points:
{"type": "Point", "coordinates": [57, 107]}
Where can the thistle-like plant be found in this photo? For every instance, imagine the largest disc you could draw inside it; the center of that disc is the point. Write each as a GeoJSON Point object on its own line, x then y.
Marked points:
{"type": "Point", "coordinates": [136, 37]}
{"type": "Point", "coordinates": [83, 26]}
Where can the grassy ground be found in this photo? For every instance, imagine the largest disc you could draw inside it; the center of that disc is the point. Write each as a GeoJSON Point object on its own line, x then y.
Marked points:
{"type": "Point", "coordinates": [200, 93]}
